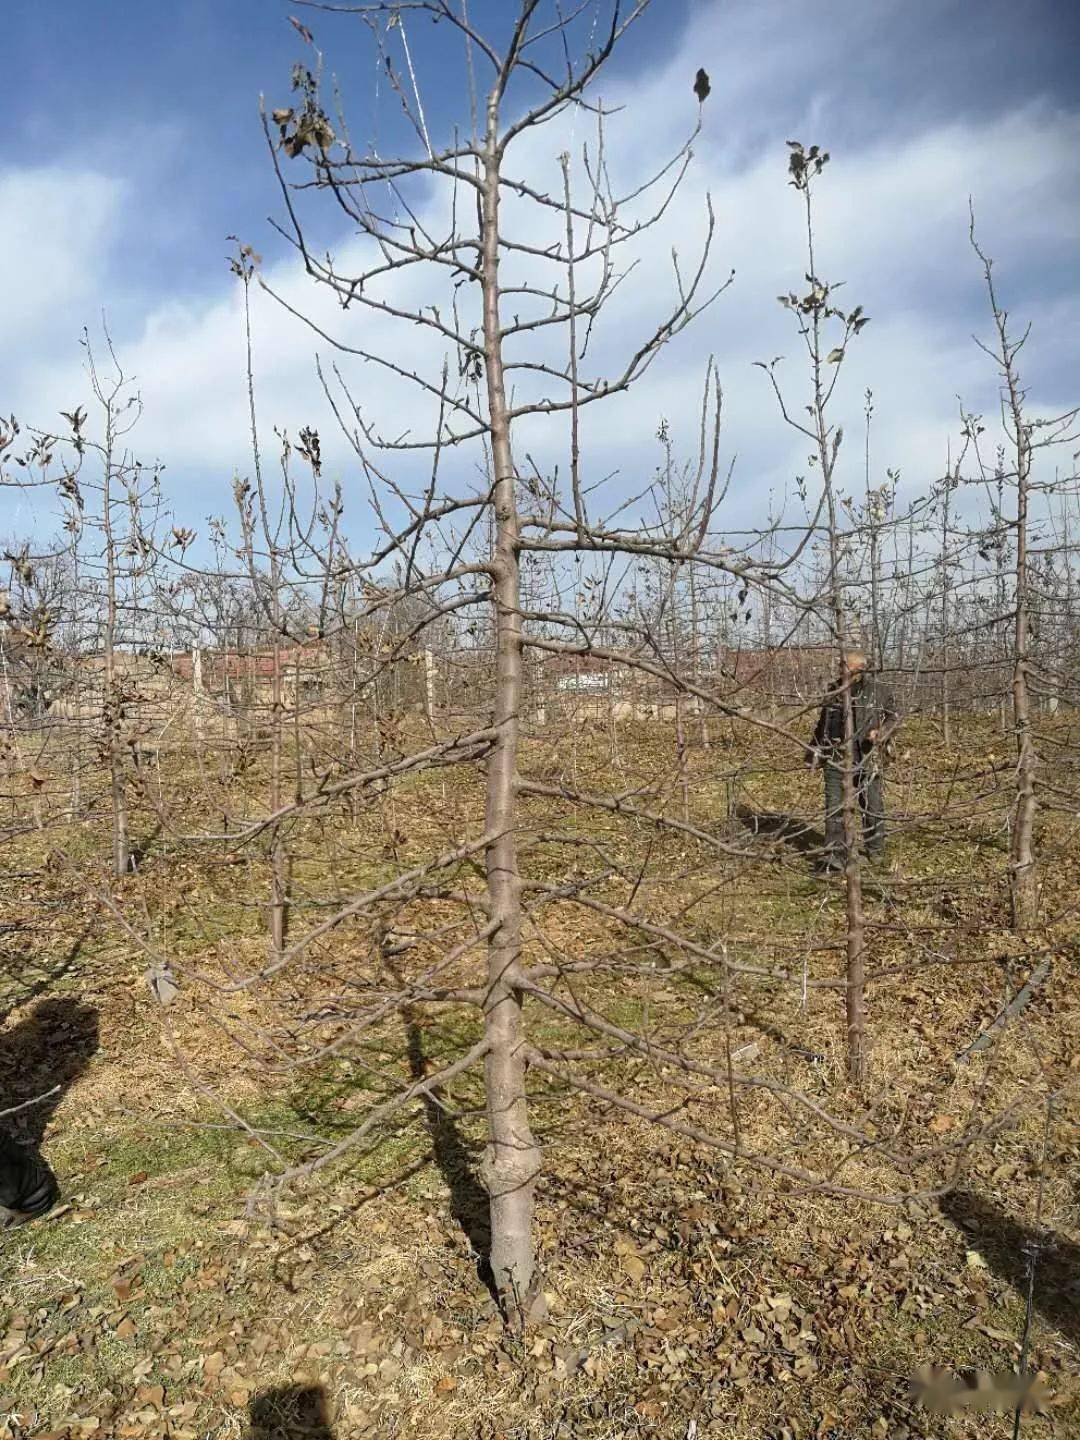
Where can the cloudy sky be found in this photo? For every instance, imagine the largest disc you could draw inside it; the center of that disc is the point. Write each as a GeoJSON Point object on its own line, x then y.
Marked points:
{"type": "Point", "coordinates": [135, 149]}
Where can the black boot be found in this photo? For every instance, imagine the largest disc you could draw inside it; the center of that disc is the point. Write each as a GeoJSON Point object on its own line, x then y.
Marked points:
{"type": "Point", "coordinates": [28, 1187]}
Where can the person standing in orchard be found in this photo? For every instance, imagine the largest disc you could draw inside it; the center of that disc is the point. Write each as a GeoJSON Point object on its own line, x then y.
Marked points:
{"type": "Point", "coordinates": [874, 720]}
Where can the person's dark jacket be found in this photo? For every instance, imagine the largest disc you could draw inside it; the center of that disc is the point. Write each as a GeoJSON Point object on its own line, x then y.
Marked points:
{"type": "Point", "coordinates": [872, 708]}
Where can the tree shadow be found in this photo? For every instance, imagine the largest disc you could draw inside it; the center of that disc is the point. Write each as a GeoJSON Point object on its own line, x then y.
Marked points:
{"type": "Point", "coordinates": [782, 1038]}
{"type": "Point", "coordinates": [342, 1214]}
{"type": "Point", "coordinates": [757, 1021]}
{"type": "Point", "coordinates": [42, 1056]}
{"type": "Point", "coordinates": [1005, 1244]}
{"type": "Point", "coordinates": [290, 1412]}
{"type": "Point", "coordinates": [470, 1204]}
{"type": "Point", "coordinates": [790, 830]}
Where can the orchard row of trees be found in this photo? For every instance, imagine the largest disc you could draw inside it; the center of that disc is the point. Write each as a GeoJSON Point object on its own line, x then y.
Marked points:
{"type": "Point", "coordinates": [292, 687]}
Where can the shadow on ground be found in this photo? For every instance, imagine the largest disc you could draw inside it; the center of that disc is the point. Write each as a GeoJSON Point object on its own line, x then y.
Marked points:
{"type": "Point", "coordinates": [759, 1022]}
{"type": "Point", "coordinates": [22, 981]}
{"type": "Point", "coordinates": [48, 1050]}
{"type": "Point", "coordinates": [790, 830]}
{"type": "Point", "coordinates": [469, 1201]}
{"type": "Point", "coordinates": [289, 1413]}
{"type": "Point", "coordinates": [1005, 1245]}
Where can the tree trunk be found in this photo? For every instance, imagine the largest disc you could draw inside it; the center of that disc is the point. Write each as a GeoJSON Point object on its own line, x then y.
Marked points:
{"type": "Point", "coordinates": [429, 689]}
{"type": "Point", "coordinates": [1022, 873]}
{"type": "Point", "coordinates": [113, 701]}
{"type": "Point", "coordinates": [354, 660]}
{"type": "Point", "coordinates": [858, 1049]}
{"type": "Point", "coordinates": [944, 648]}
{"type": "Point", "coordinates": [199, 700]}
{"type": "Point", "coordinates": [279, 880]}
{"type": "Point", "coordinates": [858, 1056]}
{"type": "Point", "coordinates": [1023, 879]}
{"type": "Point", "coordinates": [512, 1159]}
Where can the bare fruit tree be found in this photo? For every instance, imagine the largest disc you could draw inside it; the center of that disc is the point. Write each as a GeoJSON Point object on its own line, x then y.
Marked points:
{"type": "Point", "coordinates": [817, 314]}
{"type": "Point", "coordinates": [471, 394]}
{"type": "Point", "coordinates": [1025, 436]}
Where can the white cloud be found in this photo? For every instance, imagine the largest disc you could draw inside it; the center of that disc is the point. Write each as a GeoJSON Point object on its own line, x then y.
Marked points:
{"type": "Point", "coordinates": [892, 223]}
{"type": "Point", "coordinates": [59, 225]}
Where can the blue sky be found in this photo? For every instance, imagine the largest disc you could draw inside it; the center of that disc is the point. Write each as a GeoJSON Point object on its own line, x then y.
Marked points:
{"type": "Point", "coordinates": [165, 93]}
{"type": "Point", "coordinates": [135, 149]}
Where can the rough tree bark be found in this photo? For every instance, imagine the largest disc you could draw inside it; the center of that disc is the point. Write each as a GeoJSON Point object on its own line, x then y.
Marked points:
{"type": "Point", "coordinates": [512, 1159]}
